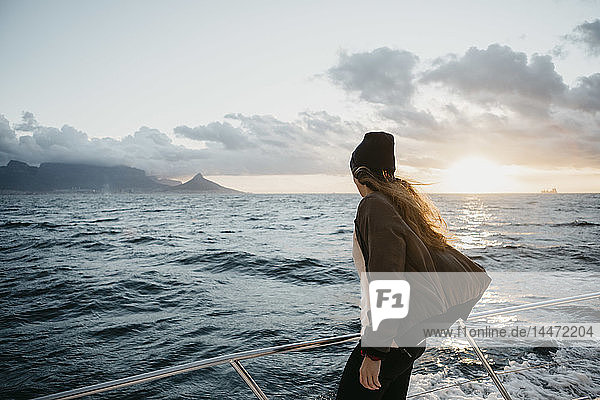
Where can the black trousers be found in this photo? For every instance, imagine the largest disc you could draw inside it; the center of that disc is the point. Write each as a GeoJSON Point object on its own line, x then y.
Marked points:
{"type": "Point", "coordinates": [394, 375]}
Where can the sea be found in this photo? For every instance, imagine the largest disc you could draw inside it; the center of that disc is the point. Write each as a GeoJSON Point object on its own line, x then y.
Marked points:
{"type": "Point", "coordinates": [96, 287]}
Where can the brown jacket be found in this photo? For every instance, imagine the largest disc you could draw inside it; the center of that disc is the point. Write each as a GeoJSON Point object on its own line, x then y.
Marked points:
{"type": "Point", "coordinates": [388, 244]}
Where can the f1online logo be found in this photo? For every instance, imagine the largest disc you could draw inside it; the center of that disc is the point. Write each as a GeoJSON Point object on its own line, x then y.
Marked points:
{"type": "Point", "coordinates": [389, 300]}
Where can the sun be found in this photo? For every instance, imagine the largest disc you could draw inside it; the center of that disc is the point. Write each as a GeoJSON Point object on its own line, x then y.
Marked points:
{"type": "Point", "coordinates": [475, 175]}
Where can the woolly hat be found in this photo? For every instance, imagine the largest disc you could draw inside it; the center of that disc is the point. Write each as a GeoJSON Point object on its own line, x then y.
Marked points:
{"type": "Point", "coordinates": [376, 152]}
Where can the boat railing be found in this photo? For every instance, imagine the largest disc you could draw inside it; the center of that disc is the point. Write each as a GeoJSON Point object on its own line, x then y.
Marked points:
{"type": "Point", "coordinates": [234, 359]}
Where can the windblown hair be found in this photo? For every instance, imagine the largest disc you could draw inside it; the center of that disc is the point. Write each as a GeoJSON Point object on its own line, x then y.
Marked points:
{"type": "Point", "coordinates": [417, 210]}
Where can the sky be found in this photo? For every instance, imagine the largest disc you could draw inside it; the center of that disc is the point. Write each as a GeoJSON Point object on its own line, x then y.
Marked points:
{"type": "Point", "coordinates": [264, 96]}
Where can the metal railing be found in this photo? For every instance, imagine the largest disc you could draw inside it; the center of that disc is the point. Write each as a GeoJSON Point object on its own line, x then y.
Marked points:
{"type": "Point", "coordinates": [234, 358]}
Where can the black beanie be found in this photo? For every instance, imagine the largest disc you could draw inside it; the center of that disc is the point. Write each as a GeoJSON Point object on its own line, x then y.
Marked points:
{"type": "Point", "coordinates": [376, 152]}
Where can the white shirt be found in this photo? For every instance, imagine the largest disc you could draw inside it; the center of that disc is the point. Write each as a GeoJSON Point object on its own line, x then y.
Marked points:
{"type": "Point", "coordinates": [359, 263]}
{"type": "Point", "coordinates": [365, 305]}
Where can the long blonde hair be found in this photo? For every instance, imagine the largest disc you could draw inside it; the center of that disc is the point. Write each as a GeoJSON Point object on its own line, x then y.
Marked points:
{"type": "Point", "coordinates": [417, 210]}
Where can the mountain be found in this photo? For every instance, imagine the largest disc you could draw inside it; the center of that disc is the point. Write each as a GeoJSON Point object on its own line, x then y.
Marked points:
{"type": "Point", "coordinates": [168, 182]}
{"type": "Point", "coordinates": [18, 176]}
{"type": "Point", "coordinates": [200, 184]}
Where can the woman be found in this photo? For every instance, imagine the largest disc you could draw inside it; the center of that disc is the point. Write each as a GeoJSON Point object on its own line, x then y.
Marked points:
{"type": "Point", "coordinates": [399, 230]}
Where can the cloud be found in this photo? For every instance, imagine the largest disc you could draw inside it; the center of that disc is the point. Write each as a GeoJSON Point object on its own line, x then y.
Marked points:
{"type": "Point", "coordinates": [499, 75]}
{"type": "Point", "coordinates": [586, 95]}
{"type": "Point", "coordinates": [494, 102]}
{"type": "Point", "coordinates": [317, 142]}
{"type": "Point", "coordinates": [382, 76]}
{"type": "Point", "coordinates": [587, 34]}
{"type": "Point", "coordinates": [28, 124]}
{"type": "Point", "coordinates": [8, 138]}
{"type": "Point", "coordinates": [409, 116]}
{"type": "Point", "coordinates": [147, 148]}
{"type": "Point", "coordinates": [216, 132]}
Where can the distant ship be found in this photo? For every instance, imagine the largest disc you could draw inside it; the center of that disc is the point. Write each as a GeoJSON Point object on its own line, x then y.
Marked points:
{"type": "Point", "coordinates": [553, 190]}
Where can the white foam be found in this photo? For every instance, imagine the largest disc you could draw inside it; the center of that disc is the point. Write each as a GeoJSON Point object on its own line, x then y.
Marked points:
{"type": "Point", "coordinates": [569, 376]}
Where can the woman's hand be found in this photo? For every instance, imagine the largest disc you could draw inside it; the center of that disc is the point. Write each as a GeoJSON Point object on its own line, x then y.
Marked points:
{"type": "Point", "coordinates": [369, 373]}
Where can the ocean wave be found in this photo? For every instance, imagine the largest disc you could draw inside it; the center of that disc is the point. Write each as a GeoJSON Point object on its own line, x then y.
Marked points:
{"type": "Point", "coordinates": [131, 303]}
{"type": "Point", "coordinates": [103, 220]}
{"type": "Point", "coordinates": [21, 258]}
{"type": "Point", "coordinates": [95, 233]}
{"type": "Point", "coordinates": [142, 287]}
{"type": "Point", "coordinates": [48, 243]}
{"type": "Point", "coordinates": [112, 332]}
{"type": "Point", "coordinates": [14, 246]}
{"type": "Point", "coordinates": [304, 270]}
{"type": "Point", "coordinates": [577, 223]}
{"type": "Point", "coordinates": [26, 224]}
{"type": "Point", "coordinates": [141, 240]}
{"type": "Point", "coordinates": [342, 231]}
{"type": "Point", "coordinates": [119, 210]}
{"type": "Point", "coordinates": [571, 223]}
{"type": "Point", "coordinates": [220, 313]}
{"type": "Point", "coordinates": [91, 245]}
{"type": "Point", "coordinates": [257, 334]}
{"type": "Point", "coordinates": [512, 246]}
{"type": "Point", "coordinates": [200, 331]}
{"type": "Point", "coordinates": [16, 224]}
{"type": "Point", "coordinates": [526, 224]}
{"type": "Point", "coordinates": [276, 227]}
{"type": "Point", "coordinates": [560, 377]}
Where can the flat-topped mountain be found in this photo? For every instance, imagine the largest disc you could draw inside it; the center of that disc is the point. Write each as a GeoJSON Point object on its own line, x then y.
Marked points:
{"type": "Point", "coordinates": [18, 176]}
{"type": "Point", "coordinates": [165, 181]}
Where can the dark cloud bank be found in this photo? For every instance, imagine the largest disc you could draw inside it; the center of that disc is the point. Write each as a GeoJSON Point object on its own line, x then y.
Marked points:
{"type": "Point", "coordinates": [315, 143]}
{"type": "Point", "coordinates": [500, 102]}
{"type": "Point", "coordinates": [495, 101]}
